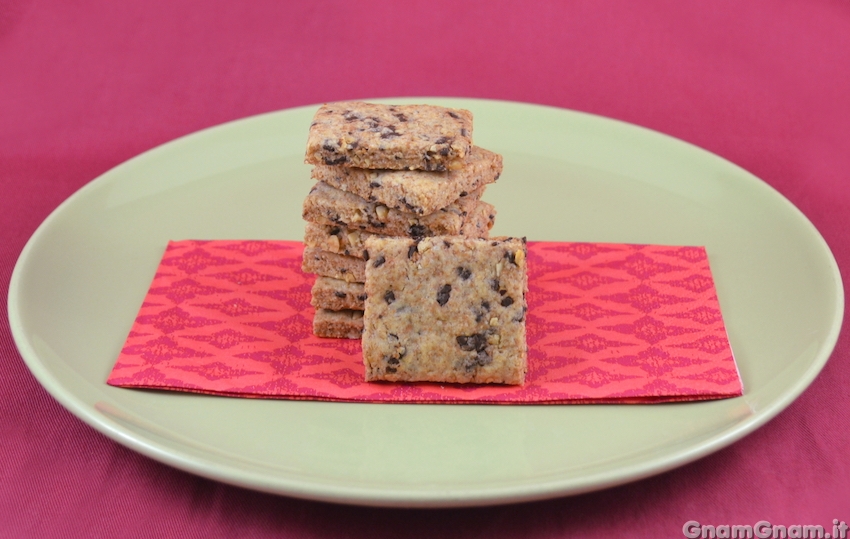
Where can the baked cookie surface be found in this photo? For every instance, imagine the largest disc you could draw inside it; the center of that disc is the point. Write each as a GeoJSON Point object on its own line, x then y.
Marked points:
{"type": "Point", "coordinates": [445, 309]}
{"type": "Point", "coordinates": [369, 135]}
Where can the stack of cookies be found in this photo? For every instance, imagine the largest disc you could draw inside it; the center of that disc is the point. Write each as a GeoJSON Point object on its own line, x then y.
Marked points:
{"type": "Point", "coordinates": [386, 171]}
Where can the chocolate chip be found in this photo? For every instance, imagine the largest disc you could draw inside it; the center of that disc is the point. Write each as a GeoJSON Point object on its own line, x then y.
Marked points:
{"type": "Point", "coordinates": [441, 140]}
{"type": "Point", "coordinates": [391, 370]}
{"type": "Point", "coordinates": [453, 115]}
{"type": "Point", "coordinates": [463, 193]}
{"type": "Point", "coordinates": [507, 301]}
{"type": "Point", "coordinates": [483, 358]}
{"type": "Point", "coordinates": [443, 294]}
{"type": "Point", "coordinates": [444, 151]}
{"type": "Point", "coordinates": [494, 285]}
{"type": "Point", "coordinates": [365, 255]}
{"type": "Point", "coordinates": [389, 297]}
{"type": "Point", "coordinates": [401, 117]}
{"type": "Point", "coordinates": [339, 294]}
{"type": "Point", "coordinates": [379, 261]}
{"type": "Point", "coordinates": [338, 161]}
{"type": "Point", "coordinates": [486, 305]}
{"type": "Point", "coordinates": [362, 297]}
{"type": "Point", "coordinates": [434, 166]}
{"type": "Point", "coordinates": [464, 132]}
{"type": "Point", "coordinates": [393, 361]}
{"type": "Point", "coordinates": [468, 343]}
{"type": "Point", "coordinates": [329, 147]}
{"type": "Point", "coordinates": [417, 231]}
{"type": "Point", "coordinates": [464, 273]}
{"type": "Point", "coordinates": [374, 185]}
{"type": "Point", "coordinates": [389, 132]}
{"type": "Point", "coordinates": [447, 243]}
{"type": "Point", "coordinates": [511, 257]}
{"type": "Point", "coordinates": [335, 230]}
{"type": "Point", "coordinates": [411, 251]}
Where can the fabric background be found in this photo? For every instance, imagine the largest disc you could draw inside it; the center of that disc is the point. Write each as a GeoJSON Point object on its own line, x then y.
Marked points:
{"type": "Point", "coordinates": [85, 85]}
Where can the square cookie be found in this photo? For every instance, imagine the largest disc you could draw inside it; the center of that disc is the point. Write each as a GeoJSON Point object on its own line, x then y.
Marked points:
{"type": "Point", "coordinates": [415, 191]}
{"type": "Point", "coordinates": [445, 309]}
{"type": "Point", "coordinates": [368, 135]}
{"type": "Point", "coordinates": [331, 206]}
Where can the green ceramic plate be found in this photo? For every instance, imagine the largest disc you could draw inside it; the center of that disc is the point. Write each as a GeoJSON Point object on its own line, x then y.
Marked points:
{"type": "Point", "coordinates": [568, 176]}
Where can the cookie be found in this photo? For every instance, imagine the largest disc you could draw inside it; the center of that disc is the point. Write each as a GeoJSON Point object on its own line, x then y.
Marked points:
{"type": "Point", "coordinates": [368, 135]}
{"type": "Point", "coordinates": [337, 295]}
{"type": "Point", "coordinates": [445, 309]}
{"type": "Point", "coordinates": [344, 268]}
{"type": "Point", "coordinates": [338, 324]}
{"type": "Point", "coordinates": [336, 239]}
{"type": "Point", "coordinates": [348, 242]}
{"type": "Point", "coordinates": [328, 205]}
{"type": "Point", "coordinates": [415, 191]}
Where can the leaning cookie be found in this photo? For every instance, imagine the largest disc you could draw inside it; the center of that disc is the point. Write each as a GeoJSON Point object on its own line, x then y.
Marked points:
{"type": "Point", "coordinates": [445, 309]}
{"type": "Point", "coordinates": [368, 135]}
{"type": "Point", "coordinates": [328, 205]}
{"type": "Point", "coordinates": [415, 191]}
{"type": "Point", "coordinates": [350, 242]}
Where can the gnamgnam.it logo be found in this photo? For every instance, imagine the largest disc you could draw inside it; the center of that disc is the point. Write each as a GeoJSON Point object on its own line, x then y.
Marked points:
{"type": "Point", "coordinates": [764, 530]}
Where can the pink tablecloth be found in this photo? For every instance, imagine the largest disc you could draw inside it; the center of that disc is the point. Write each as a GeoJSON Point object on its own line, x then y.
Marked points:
{"type": "Point", "coordinates": [87, 85]}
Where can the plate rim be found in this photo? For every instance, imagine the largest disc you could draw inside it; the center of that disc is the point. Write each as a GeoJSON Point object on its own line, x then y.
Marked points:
{"type": "Point", "coordinates": [401, 497]}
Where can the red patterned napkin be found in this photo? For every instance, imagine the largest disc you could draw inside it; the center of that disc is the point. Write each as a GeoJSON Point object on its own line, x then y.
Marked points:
{"type": "Point", "coordinates": [606, 323]}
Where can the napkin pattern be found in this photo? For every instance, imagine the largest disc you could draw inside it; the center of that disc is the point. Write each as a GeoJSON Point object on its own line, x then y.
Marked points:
{"type": "Point", "coordinates": [606, 323]}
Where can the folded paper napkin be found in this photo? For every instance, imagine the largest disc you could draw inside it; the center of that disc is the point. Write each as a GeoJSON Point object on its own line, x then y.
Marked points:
{"type": "Point", "coordinates": [612, 323]}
